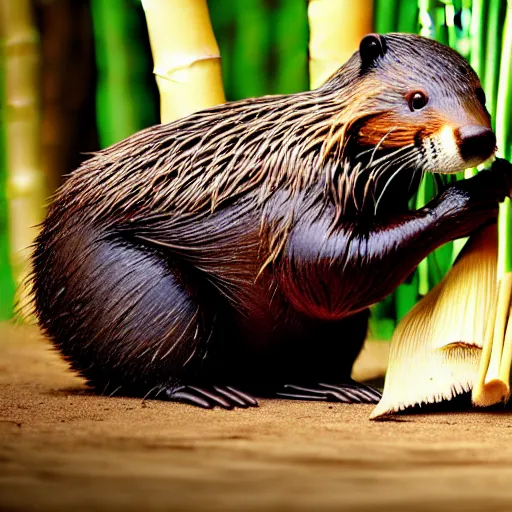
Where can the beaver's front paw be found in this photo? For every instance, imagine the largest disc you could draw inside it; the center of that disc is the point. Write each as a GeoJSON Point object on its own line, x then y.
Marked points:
{"type": "Point", "coordinates": [473, 202]}
{"type": "Point", "coordinates": [489, 186]}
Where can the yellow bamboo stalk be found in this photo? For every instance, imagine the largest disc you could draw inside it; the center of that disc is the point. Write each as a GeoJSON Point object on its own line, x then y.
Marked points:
{"type": "Point", "coordinates": [492, 385]}
{"type": "Point", "coordinates": [186, 56]}
{"type": "Point", "coordinates": [336, 29]}
{"type": "Point", "coordinates": [26, 184]}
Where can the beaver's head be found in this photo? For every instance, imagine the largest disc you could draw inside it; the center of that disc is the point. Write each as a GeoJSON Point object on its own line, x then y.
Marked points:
{"type": "Point", "coordinates": [420, 98]}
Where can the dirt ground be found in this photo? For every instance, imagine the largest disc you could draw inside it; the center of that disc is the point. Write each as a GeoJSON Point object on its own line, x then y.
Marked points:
{"type": "Point", "coordinates": [64, 449]}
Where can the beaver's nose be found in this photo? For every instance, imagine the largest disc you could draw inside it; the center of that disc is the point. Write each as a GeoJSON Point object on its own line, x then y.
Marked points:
{"type": "Point", "coordinates": [476, 143]}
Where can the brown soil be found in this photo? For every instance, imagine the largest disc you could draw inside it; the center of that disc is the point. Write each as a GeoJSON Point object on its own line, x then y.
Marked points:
{"type": "Point", "coordinates": [64, 449]}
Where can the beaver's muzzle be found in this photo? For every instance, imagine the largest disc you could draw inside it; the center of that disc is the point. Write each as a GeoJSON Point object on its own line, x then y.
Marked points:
{"type": "Point", "coordinates": [476, 143]}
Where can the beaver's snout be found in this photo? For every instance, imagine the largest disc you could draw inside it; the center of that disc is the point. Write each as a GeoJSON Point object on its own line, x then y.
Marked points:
{"type": "Point", "coordinates": [476, 143]}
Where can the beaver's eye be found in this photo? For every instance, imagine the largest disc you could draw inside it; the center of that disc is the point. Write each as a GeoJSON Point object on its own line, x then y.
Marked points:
{"type": "Point", "coordinates": [417, 100]}
{"type": "Point", "coordinates": [480, 94]}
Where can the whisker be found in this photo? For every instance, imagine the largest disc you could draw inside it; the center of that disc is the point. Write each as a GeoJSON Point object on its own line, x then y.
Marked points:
{"type": "Point", "coordinates": [378, 145]}
{"type": "Point", "coordinates": [381, 171]}
{"type": "Point", "coordinates": [374, 176]}
{"type": "Point", "coordinates": [387, 185]}
{"type": "Point", "coordinates": [391, 155]}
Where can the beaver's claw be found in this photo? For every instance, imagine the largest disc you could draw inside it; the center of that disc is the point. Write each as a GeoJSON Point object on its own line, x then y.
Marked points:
{"type": "Point", "coordinates": [348, 393]}
{"type": "Point", "coordinates": [209, 397]}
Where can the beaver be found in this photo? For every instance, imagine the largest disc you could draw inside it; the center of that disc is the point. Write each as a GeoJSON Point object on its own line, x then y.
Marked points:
{"type": "Point", "coordinates": [234, 253]}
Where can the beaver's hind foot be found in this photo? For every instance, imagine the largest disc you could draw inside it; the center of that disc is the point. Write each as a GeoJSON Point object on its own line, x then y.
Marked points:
{"type": "Point", "coordinates": [347, 393]}
{"type": "Point", "coordinates": [209, 397]}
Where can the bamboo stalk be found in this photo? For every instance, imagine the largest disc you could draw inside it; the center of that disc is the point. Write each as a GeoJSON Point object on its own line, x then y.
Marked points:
{"type": "Point", "coordinates": [292, 58]}
{"type": "Point", "coordinates": [186, 56]}
{"type": "Point", "coordinates": [493, 383]}
{"type": "Point", "coordinates": [57, 28]}
{"type": "Point", "coordinates": [407, 17]}
{"type": "Point", "coordinates": [7, 287]}
{"type": "Point", "coordinates": [223, 22]}
{"type": "Point", "coordinates": [26, 184]}
{"type": "Point", "coordinates": [496, 15]}
{"type": "Point", "coordinates": [66, 48]}
{"type": "Point", "coordinates": [478, 15]}
{"type": "Point", "coordinates": [387, 15]}
{"type": "Point", "coordinates": [251, 48]}
{"type": "Point", "coordinates": [489, 387]}
{"type": "Point", "coordinates": [119, 98]}
{"type": "Point", "coordinates": [336, 29]}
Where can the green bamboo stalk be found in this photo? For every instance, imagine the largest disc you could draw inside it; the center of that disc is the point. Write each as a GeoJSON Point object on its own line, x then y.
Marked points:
{"type": "Point", "coordinates": [406, 296]}
{"type": "Point", "coordinates": [382, 319]}
{"type": "Point", "coordinates": [478, 42]}
{"type": "Point", "coordinates": [441, 28]}
{"type": "Point", "coordinates": [449, 11]}
{"type": "Point", "coordinates": [408, 20]}
{"type": "Point", "coordinates": [223, 18]}
{"type": "Point", "coordinates": [463, 42]}
{"type": "Point", "coordinates": [422, 197]}
{"type": "Point", "coordinates": [251, 49]}
{"type": "Point", "coordinates": [291, 60]}
{"type": "Point", "coordinates": [7, 287]}
{"type": "Point", "coordinates": [121, 101]}
{"type": "Point", "coordinates": [386, 15]}
{"type": "Point", "coordinates": [504, 138]}
{"type": "Point", "coordinates": [494, 34]}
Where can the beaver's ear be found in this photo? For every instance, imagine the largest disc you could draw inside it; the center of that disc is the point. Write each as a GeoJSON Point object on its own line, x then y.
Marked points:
{"type": "Point", "coordinates": [371, 48]}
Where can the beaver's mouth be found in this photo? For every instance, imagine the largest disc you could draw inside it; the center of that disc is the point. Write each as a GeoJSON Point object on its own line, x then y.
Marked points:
{"type": "Point", "coordinates": [452, 150]}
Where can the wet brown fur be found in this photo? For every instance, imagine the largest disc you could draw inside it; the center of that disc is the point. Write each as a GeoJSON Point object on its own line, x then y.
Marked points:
{"type": "Point", "coordinates": [274, 220]}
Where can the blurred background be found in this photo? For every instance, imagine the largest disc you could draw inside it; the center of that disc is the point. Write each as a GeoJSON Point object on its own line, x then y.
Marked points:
{"type": "Point", "coordinates": [76, 76]}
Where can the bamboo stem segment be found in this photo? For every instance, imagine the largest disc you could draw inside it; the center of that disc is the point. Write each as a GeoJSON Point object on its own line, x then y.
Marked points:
{"type": "Point", "coordinates": [26, 183]}
{"type": "Point", "coordinates": [492, 384]}
{"type": "Point", "coordinates": [336, 29]}
{"type": "Point", "coordinates": [186, 56]}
